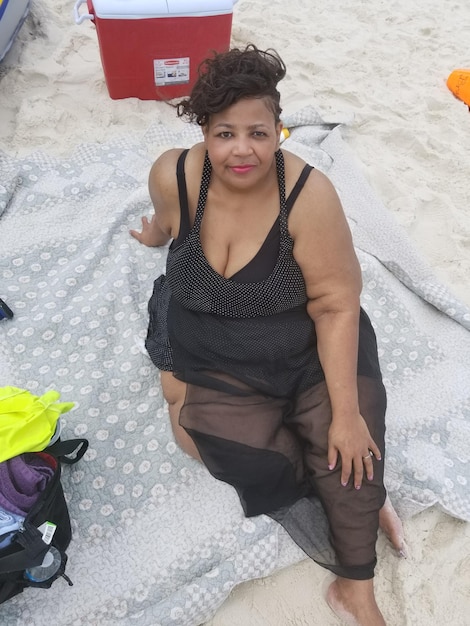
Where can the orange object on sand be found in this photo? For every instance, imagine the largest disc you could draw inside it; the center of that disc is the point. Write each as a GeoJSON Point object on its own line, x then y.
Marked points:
{"type": "Point", "coordinates": [459, 84]}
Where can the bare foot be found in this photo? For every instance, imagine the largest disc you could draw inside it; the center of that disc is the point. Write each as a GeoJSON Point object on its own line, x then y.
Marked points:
{"type": "Point", "coordinates": [391, 524]}
{"type": "Point", "coordinates": [334, 602]}
{"type": "Point", "coordinates": [354, 603]}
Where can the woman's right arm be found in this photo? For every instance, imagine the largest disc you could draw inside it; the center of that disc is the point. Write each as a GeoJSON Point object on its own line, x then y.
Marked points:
{"type": "Point", "coordinates": [163, 189]}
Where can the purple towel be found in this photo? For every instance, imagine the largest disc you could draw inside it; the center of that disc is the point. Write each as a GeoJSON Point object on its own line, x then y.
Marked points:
{"type": "Point", "coordinates": [22, 480]}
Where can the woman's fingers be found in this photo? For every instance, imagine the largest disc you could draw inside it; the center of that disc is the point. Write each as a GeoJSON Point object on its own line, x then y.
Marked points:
{"type": "Point", "coordinates": [357, 461]}
{"type": "Point", "coordinates": [140, 235]}
{"type": "Point", "coordinates": [332, 457]}
{"type": "Point", "coordinates": [365, 464]}
{"type": "Point", "coordinates": [358, 466]}
{"type": "Point", "coordinates": [375, 450]}
{"type": "Point", "coordinates": [346, 469]}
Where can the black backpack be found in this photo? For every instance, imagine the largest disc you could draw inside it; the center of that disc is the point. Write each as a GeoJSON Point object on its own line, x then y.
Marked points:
{"type": "Point", "coordinates": [28, 548]}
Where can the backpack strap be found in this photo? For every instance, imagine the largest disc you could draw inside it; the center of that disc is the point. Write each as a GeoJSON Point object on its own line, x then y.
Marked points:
{"type": "Point", "coordinates": [63, 449]}
{"type": "Point", "coordinates": [34, 549]}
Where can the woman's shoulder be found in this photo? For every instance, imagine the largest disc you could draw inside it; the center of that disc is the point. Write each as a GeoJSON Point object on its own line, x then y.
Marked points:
{"type": "Point", "coordinates": [317, 198]}
{"type": "Point", "coordinates": [294, 166]}
{"type": "Point", "coordinates": [292, 160]}
{"type": "Point", "coordinates": [163, 170]}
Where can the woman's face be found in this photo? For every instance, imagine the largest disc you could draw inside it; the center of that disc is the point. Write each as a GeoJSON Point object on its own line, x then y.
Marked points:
{"type": "Point", "coordinates": [241, 142]}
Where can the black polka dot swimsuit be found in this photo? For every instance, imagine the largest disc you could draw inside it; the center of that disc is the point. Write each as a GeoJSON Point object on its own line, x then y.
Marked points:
{"type": "Point", "coordinates": [237, 325]}
{"type": "Point", "coordinates": [257, 406]}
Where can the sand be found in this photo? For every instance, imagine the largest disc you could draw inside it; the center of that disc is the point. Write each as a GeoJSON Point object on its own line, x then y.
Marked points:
{"type": "Point", "coordinates": [381, 65]}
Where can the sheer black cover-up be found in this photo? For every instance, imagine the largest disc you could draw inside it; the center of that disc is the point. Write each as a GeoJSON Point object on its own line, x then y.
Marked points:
{"type": "Point", "coordinates": [256, 405]}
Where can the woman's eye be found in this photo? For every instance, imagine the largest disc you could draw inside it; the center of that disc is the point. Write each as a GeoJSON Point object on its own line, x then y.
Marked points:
{"type": "Point", "coordinates": [259, 133]}
{"type": "Point", "coordinates": [225, 134]}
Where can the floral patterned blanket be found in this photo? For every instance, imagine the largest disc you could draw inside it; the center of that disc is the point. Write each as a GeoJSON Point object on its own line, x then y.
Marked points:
{"type": "Point", "coordinates": [157, 541]}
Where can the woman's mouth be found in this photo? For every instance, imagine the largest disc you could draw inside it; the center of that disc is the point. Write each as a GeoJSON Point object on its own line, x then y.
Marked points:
{"type": "Point", "coordinates": [241, 169]}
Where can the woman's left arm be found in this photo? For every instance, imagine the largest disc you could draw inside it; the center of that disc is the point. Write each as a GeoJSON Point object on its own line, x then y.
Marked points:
{"type": "Point", "coordinates": [324, 250]}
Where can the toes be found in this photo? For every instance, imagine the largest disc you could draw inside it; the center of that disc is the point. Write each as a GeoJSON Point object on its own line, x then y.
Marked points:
{"type": "Point", "coordinates": [391, 524]}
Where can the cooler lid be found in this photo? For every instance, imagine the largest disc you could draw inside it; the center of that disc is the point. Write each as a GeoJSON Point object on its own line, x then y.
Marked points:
{"type": "Point", "coordinates": [135, 9]}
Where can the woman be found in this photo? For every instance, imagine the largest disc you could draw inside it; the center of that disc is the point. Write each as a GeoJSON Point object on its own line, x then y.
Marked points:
{"type": "Point", "coordinates": [267, 361]}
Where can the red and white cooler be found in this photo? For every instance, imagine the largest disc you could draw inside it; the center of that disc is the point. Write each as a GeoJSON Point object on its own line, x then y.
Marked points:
{"type": "Point", "coordinates": [151, 49]}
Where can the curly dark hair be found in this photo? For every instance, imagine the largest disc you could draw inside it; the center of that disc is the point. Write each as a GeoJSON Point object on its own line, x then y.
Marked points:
{"type": "Point", "coordinates": [227, 77]}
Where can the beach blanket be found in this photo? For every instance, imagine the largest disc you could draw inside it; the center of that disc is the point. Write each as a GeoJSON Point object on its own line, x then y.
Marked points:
{"type": "Point", "coordinates": [156, 540]}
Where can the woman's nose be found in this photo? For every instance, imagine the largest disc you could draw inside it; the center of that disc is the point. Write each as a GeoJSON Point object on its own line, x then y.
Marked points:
{"type": "Point", "coordinates": [243, 146]}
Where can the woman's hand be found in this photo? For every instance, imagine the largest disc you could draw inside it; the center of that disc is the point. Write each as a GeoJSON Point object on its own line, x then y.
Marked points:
{"type": "Point", "coordinates": [350, 437]}
{"type": "Point", "coordinates": [151, 234]}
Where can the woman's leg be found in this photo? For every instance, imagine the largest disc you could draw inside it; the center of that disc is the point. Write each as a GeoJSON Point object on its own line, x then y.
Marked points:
{"type": "Point", "coordinates": [243, 441]}
{"type": "Point", "coordinates": [174, 392]}
{"type": "Point", "coordinates": [353, 515]}
{"type": "Point", "coordinates": [354, 603]}
{"type": "Point", "coordinates": [353, 600]}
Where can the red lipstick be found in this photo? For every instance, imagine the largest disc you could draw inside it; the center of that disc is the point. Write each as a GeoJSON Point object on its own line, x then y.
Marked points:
{"type": "Point", "coordinates": [242, 169]}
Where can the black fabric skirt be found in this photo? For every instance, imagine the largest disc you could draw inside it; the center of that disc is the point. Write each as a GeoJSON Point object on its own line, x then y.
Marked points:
{"type": "Point", "coordinates": [270, 444]}
{"type": "Point", "coordinates": [274, 453]}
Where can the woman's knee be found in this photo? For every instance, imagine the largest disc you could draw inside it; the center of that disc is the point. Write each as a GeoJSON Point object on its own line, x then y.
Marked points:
{"type": "Point", "coordinates": [174, 392]}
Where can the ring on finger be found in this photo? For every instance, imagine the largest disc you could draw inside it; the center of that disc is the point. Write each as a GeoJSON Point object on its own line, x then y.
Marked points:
{"type": "Point", "coordinates": [368, 456]}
